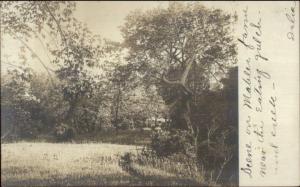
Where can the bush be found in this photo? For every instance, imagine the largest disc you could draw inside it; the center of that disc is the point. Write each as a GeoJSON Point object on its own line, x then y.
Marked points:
{"type": "Point", "coordinates": [165, 143]}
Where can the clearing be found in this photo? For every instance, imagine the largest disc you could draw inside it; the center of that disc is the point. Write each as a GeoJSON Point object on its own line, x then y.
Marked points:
{"type": "Point", "coordinates": [49, 164]}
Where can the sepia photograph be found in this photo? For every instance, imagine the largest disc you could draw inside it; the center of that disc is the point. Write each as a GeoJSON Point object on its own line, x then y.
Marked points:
{"type": "Point", "coordinates": [107, 93]}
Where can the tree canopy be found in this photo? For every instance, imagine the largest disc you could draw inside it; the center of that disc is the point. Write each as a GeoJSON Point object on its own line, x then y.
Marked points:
{"type": "Point", "coordinates": [164, 41]}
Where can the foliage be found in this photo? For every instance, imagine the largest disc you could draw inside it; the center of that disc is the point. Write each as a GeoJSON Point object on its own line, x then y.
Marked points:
{"type": "Point", "coordinates": [160, 41]}
{"type": "Point", "coordinates": [166, 143]}
{"type": "Point", "coordinates": [75, 93]}
{"type": "Point", "coordinates": [17, 102]}
{"type": "Point", "coordinates": [28, 17]}
{"type": "Point", "coordinates": [187, 51]}
{"type": "Point", "coordinates": [64, 133]}
{"type": "Point", "coordinates": [216, 146]}
{"type": "Point", "coordinates": [81, 53]}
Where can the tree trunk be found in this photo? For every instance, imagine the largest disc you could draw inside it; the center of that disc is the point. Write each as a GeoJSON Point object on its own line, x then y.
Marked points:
{"type": "Point", "coordinates": [185, 96]}
{"type": "Point", "coordinates": [116, 120]}
{"type": "Point", "coordinates": [196, 143]}
{"type": "Point", "coordinates": [70, 114]}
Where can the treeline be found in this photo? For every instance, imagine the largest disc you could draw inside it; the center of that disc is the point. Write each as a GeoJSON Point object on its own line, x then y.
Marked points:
{"type": "Point", "coordinates": [34, 108]}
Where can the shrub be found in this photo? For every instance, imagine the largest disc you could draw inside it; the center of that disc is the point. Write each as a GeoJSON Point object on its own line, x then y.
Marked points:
{"type": "Point", "coordinates": [165, 143]}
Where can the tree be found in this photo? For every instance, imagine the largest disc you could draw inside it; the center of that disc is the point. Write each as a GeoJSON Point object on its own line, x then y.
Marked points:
{"type": "Point", "coordinates": [52, 105]}
{"type": "Point", "coordinates": [66, 42]}
{"type": "Point", "coordinates": [185, 50]}
{"type": "Point", "coordinates": [26, 21]}
{"type": "Point", "coordinates": [17, 101]}
{"type": "Point", "coordinates": [164, 45]}
{"type": "Point", "coordinates": [76, 62]}
{"type": "Point", "coordinates": [132, 101]}
{"type": "Point", "coordinates": [120, 84]}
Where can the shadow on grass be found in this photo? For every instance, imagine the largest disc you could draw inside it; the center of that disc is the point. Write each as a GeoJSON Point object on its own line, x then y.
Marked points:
{"type": "Point", "coordinates": [104, 180]}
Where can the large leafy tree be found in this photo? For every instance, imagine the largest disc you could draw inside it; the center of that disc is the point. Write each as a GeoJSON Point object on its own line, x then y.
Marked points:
{"type": "Point", "coordinates": [166, 44]}
{"type": "Point", "coordinates": [186, 50]}
{"type": "Point", "coordinates": [67, 44]}
{"type": "Point", "coordinates": [75, 61]}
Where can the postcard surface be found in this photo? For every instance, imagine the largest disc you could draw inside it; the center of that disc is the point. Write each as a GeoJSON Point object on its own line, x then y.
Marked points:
{"type": "Point", "coordinates": [149, 93]}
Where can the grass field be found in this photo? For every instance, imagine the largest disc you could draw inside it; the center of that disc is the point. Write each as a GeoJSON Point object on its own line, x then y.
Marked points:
{"type": "Point", "coordinates": [49, 164]}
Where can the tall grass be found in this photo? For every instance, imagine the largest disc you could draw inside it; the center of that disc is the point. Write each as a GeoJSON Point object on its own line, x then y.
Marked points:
{"type": "Point", "coordinates": [46, 164]}
{"type": "Point", "coordinates": [49, 164]}
{"type": "Point", "coordinates": [184, 171]}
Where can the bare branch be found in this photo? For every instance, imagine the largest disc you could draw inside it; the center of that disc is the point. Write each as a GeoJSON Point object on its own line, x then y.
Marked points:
{"type": "Point", "coordinates": [214, 76]}
{"type": "Point", "coordinates": [170, 82]}
{"type": "Point", "coordinates": [16, 66]}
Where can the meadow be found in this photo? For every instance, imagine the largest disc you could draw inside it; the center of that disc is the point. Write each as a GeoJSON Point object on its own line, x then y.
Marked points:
{"type": "Point", "coordinates": [91, 164]}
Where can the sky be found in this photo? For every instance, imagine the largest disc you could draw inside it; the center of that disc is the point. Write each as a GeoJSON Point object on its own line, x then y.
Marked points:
{"type": "Point", "coordinates": [105, 17]}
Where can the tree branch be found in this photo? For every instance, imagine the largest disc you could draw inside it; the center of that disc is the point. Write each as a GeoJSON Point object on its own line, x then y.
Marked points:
{"type": "Point", "coordinates": [57, 23]}
{"type": "Point", "coordinates": [44, 47]}
{"type": "Point", "coordinates": [186, 71]}
{"type": "Point", "coordinates": [170, 82]}
{"type": "Point", "coordinates": [58, 27]}
{"type": "Point", "coordinates": [12, 65]}
{"type": "Point", "coordinates": [34, 53]}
